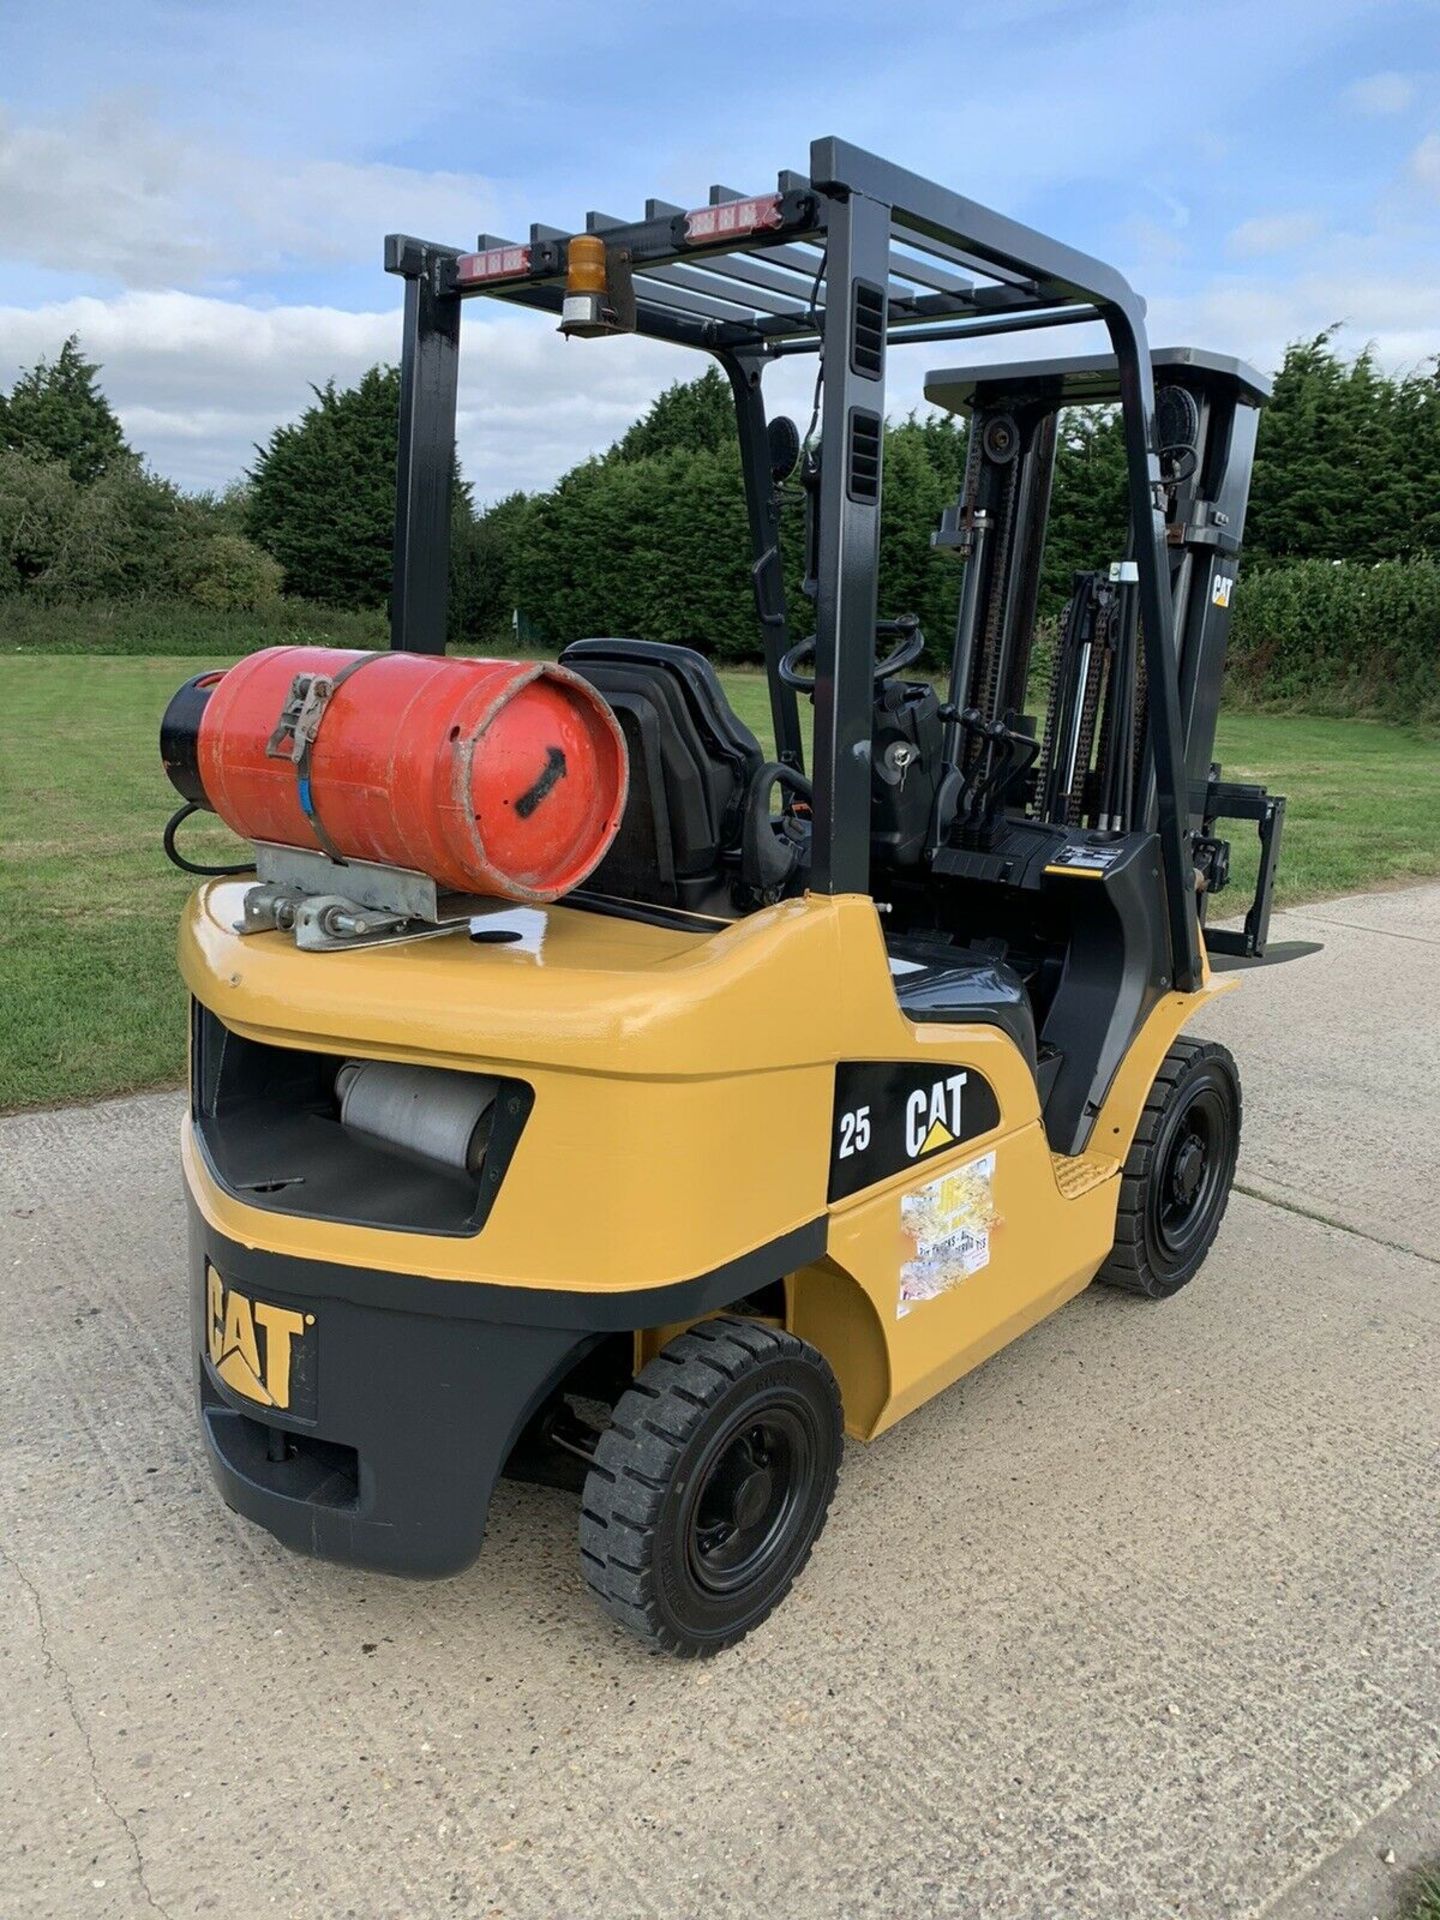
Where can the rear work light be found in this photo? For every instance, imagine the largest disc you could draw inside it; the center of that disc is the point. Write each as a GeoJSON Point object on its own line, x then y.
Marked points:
{"type": "Point", "coordinates": [496, 263]}
{"type": "Point", "coordinates": [733, 217]}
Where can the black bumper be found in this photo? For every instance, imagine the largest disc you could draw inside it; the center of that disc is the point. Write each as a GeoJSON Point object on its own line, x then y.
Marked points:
{"type": "Point", "coordinates": [418, 1400]}
{"type": "Point", "coordinates": [420, 1390]}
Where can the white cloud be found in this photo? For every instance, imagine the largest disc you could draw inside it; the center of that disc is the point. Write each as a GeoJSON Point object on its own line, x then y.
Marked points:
{"type": "Point", "coordinates": [114, 196]}
{"type": "Point", "coordinates": [198, 381]}
{"type": "Point", "coordinates": [1382, 93]}
{"type": "Point", "coordinates": [1425, 163]}
{"type": "Point", "coordinates": [1153, 244]}
{"type": "Point", "coordinates": [1399, 315]}
{"type": "Point", "coordinates": [1265, 234]}
{"type": "Point", "coordinates": [194, 227]}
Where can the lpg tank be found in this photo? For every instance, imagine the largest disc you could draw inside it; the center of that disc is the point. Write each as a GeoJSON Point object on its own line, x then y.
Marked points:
{"type": "Point", "coordinates": [491, 776]}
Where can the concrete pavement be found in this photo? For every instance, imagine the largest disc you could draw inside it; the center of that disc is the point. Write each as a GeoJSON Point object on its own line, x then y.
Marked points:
{"type": "Point", "coordinates": [1138, 1621]}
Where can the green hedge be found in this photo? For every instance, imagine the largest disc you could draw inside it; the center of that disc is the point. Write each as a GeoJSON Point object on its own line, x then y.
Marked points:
{"type": "Point", "coordinates": [181, 627]}
{"type": "Point", "coordinates": [658, 547]}
{"type": "Point", "coordinates": [1308, 634]}
{"type": "Point", "coordinates": [1339, 637]}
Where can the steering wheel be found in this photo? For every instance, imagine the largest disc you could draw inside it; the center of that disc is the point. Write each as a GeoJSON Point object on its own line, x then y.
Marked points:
{"type": "Point", "coordinates": [908, 647]}
{"type": "Point", "coordinates": [1177, 464]}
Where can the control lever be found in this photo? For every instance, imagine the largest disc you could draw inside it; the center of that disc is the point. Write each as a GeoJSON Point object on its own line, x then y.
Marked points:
{"type": "Point", "coordinates": [998, 761]}
{"type": "Point", "coordinates": [988, 778]}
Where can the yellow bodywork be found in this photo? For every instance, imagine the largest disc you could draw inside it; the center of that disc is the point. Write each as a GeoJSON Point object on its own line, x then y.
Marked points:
{"type": "Point", "coordinates": [684, 1084]}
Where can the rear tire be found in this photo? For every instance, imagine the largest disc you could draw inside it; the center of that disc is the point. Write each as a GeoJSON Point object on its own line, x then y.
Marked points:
{"type": "Point", "coordinates": [711, 1485]}
{"type": "Point", "coordinates": [1177, 1178]}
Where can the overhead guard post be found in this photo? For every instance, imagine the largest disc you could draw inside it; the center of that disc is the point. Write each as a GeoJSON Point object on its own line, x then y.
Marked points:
{"type": "Point", "coordinates": [854, 408]}
{"type": "Point", "coordinates": [744, 372]}
{"type": "Point", "coordinates": [429, 368]}
{"type": "Point", "coordinates": [1126, 325]}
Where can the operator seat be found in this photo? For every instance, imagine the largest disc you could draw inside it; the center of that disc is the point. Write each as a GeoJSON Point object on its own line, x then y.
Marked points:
{"type": "Point", "coordinates": [697, 773]}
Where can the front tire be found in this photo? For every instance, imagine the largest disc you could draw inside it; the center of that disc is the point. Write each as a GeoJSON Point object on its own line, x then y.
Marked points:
{"type": "Point", "coordinates": [1177, 1178]}
{"type": "Point", "coordinates": [711, 1485]}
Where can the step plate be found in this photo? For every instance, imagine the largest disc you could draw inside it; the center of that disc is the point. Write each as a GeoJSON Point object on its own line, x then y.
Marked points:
{"type": "Point", "coordinates": [1078, 1173]}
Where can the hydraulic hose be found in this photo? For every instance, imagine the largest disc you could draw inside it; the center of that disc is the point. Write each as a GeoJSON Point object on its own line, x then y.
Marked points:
{"type": "Point", "coordinates": [178, 859]}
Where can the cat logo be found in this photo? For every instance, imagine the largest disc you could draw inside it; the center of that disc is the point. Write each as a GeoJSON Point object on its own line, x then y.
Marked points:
{"type": "Point", "coordinates": [891, 1114]}
{"type": "Point", "coordinates": [932, 1116]}
{"type": "Point", "coordinates": [251, 1343]}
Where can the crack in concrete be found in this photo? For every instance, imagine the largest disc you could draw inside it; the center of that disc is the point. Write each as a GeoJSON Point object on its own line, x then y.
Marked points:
{"type": "Point", "coordinates": [1328, 1220]}
{"type": "Point", "coordinates": [55, 1668]}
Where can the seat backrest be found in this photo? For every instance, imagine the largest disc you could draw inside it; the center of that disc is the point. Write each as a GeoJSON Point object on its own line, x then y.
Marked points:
{"type": "Point", "coordinates": [692, 762]}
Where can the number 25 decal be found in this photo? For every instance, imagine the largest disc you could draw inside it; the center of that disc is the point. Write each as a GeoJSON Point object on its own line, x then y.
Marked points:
{"type": "Point", "coordinates": [890, 1115]}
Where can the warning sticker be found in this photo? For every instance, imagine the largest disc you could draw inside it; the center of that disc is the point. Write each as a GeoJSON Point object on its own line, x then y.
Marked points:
{"type": "Point", "coordinates": [1085, 857]}
{"type": "Point", "coordinates": [950, 1222]}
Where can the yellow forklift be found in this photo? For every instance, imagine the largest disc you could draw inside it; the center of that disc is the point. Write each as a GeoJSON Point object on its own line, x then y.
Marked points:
{"type": "Point", "coordinates": [798, 1085]}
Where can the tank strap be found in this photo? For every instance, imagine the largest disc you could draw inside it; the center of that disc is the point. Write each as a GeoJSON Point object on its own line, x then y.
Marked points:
{"type": "Point", "coordinates": [294, 737]}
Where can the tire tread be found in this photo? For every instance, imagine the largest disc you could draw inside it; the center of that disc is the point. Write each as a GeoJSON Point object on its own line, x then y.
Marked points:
{"type": "Point", "coordinates": [1126, 1267]}
{"type": "Point", "coordinates": [636, 1454]}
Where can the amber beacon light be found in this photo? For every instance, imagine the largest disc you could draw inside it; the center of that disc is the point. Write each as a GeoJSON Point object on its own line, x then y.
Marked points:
{"type": "Point", "coordinates": [589, 309]}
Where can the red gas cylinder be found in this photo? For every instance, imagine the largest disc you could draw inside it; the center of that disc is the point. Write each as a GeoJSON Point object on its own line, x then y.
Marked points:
{"type": "Point", "coordinates": [491, 776]}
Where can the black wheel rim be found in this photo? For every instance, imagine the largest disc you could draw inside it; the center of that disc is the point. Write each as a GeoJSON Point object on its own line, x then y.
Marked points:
{"type": "Point", "coordinates": [1192, 1172]}
{"type": "Point", "coordinates": [742, 1505]}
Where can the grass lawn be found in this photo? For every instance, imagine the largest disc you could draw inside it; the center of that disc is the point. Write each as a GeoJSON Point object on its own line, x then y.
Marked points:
{"type": "Point", "coordinates": [89, 999]}
{"type": "Point", "coordinates": [1421, 1899]}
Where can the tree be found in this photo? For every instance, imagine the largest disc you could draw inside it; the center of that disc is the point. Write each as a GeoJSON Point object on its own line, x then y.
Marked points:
{"type": "Point", "coordinates": [484, 589]}
{"type": "Point", "coordinates": [655, 547]}
{"type": "Point", "coordinates": [229, 573]}
{"type": "Point", "coordinates": [131, 532]}
{"type": "Point", "coordinates": [322, 493]}
{"type": "Point", "coordinates": [924, 466]}
{"type": "Point", "coordinates": [38, 501]}
{"type": "Point", "coordinates": [1090, 509]}
{"type": "Point", "coordinates": [224, 512]}
{"type": "Point", "coordinates": [321, 498]}
{"type": "Point", "coordinates": [1348, 461]}
{"type": "Point", "coordinates": [1418, 427]}
{"type": "Point", "coordinates": [652, 539]}
{"type": "Point", "coordinates": [690, 417]}
{"type": "Point", "coordinates": [57, 412]}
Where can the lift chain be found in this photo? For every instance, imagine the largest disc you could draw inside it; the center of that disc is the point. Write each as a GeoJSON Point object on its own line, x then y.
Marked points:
{"type": "Point", "coordinates": [984, 691]}
{"type": "Point", "coordinates": [1080, 796]}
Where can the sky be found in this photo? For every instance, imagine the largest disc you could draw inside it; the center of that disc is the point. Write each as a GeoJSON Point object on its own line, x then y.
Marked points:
{"type": "Point", "coordinates": [200, 188]}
